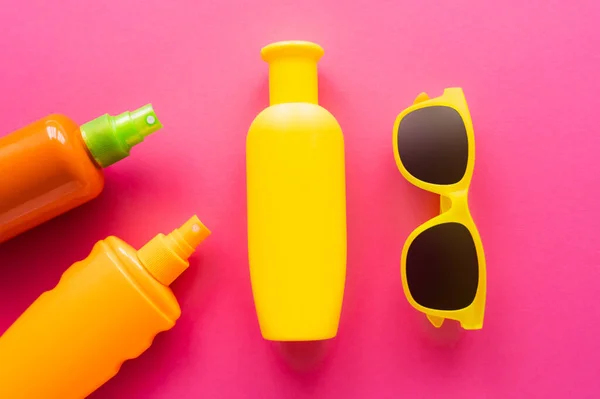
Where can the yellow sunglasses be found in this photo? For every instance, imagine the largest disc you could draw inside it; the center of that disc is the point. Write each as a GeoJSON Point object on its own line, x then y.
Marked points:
{"type": "Point", "coordinates": [443, 264]}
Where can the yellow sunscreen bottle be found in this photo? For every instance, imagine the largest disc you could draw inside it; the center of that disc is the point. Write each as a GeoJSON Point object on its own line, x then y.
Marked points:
{"type": "Point", "coordinates": [296, 202]}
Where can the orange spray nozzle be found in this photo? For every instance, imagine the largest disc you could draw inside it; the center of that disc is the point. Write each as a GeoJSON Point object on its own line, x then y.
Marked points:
{"type": "Point", "coordinates": [165, 256]}
{"type": "Point", "coordinates": [192, 233]}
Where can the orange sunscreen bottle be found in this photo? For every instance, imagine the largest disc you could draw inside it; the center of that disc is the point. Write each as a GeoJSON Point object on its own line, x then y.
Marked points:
{"type": "Point", "coordinates": [105, 310]}
{"type": "Point", "coordinates": [53, 165]}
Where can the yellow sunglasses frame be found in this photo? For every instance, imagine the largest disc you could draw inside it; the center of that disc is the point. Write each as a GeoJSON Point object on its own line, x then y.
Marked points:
{"type": "Point", "coordinates": [454, 207]}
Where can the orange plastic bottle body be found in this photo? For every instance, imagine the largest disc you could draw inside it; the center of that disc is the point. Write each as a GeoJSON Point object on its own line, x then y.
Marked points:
{"type": "Point", "coordinates": [45, 170]}
{"type": "Point", "coordinates": [105, 310]}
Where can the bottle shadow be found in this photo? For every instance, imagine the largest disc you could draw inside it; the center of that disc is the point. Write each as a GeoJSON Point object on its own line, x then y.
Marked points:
{"type": "Point", "coordinates": [303, 357]}
{"type": "Point", "coordinates": [33, 262]}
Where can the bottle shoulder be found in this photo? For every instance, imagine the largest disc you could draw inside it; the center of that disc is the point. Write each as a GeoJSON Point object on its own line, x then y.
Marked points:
{"type": "Point", "coordinates": [60, 129]}
{"type": "Point", "coordinates": [290, 117]}
{"type": "Point", "coordinates": [55, 139]}
{"type": "Point", "coordinates": [124, 256]}
{"type": "Point", "coordinates": [63, 120]}
{"type": "Point", "coordinates": [58, 138]}
{"type": "Point", "coordinates": [69, 135]}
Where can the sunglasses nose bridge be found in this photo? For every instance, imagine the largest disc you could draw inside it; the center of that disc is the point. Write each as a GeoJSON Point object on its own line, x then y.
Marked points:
{"type": "Point", "coordinates": [445, 203]}
{"type": "Point", "coordinates": [458, 202]}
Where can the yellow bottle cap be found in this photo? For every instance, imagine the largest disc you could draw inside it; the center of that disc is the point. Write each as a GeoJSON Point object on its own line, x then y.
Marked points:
{"type": "Point", "coordinates": [165, 256]}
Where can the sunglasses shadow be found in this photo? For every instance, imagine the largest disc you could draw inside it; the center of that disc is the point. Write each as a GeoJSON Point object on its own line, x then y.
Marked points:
{"type": "Point", "coordinates": [448, 335]}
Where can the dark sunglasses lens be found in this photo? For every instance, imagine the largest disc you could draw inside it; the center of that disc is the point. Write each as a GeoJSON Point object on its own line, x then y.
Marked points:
{"type": "Point", "coordinates": [441, 267]}
{"type": "Point", "coordinates": [432, 144]}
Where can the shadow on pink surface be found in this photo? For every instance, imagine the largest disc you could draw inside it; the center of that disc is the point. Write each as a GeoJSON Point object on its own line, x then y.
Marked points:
{"type": "Point", "coordinates": [40, 256]}
{"type": "Point", "coordinates": [448, 335]}
{"type": "Point", "coordinates": [304, 357]}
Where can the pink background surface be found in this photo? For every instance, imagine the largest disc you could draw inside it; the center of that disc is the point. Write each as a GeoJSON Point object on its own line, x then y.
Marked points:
{"type": "Point", "coordinates": [530, 73]}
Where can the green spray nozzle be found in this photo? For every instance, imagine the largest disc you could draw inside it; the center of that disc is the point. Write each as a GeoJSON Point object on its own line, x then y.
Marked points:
{"type": "Point", "coordinates": [110, 138]}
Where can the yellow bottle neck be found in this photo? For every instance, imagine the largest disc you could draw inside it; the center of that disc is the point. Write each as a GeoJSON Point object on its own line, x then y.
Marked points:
{"type": "Point", "coordinates": [293, 72]}
{"type": "Point", "coordinates": [293, 80]}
